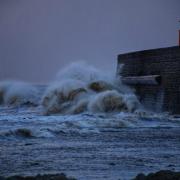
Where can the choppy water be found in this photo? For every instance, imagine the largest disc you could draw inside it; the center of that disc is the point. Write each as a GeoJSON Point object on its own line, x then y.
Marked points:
{"type": "Point", "coordinates": [97, 129]}
{"type": "Point", "coordinates": [87, 146]}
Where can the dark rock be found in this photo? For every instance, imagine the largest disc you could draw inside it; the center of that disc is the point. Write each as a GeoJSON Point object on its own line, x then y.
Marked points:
{"type": "Point", "coordinates": [28, 144]}
{"type": "Point", "coordinates": [176, 116]}
{"type": "Point", "coordinates": [160, 175]}
{"type": "Point", "coordinates": [112, 164]}
{"type": "Point", "coordinates": [100, 86]}
{"type": "Point", "coordinates": [23, 132]}
{"type": "Point", "coordinates": [140, 176]}
{"type": "Point", "coordinates": [39, 177]}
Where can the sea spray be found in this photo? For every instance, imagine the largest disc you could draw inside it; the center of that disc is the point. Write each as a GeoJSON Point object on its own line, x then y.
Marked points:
{"type": "Point", "coordinates": [80, 87]}
{"type": "Point", "coordinates": [4, 86]}
{"type": "Point", "coordinates": [77, 88]}
{"type": "Point", "coordinates": [108, 101]}
{"type": "Point", "coordinates": [60, 97]}
{"type": "Point", "coordinates": [132, 103]}
{"type": "Point", "coordinates": [18, 93]}
{"type": "Point", "coordinates": [82, 72]}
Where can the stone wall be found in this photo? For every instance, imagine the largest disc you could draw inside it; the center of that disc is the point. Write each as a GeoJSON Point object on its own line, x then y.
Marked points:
{"type": "Point", "coordinates": [164, 62]}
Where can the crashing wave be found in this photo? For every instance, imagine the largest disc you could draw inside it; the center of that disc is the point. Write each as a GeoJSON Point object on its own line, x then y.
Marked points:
{"type": "Point", "coordinates": [82, 72]}
{"type": "Point", "coordinates": [61, 96]}
{"type": "Point", "coordinates": [4, 86]}
{"type": "Point", "coordinates": [81, 88]}
{"type": "Point", "coordinates": [108, 101]}
{"type": "Point", "coordinates": [78, 88]}
{"type": "Point", "coordinates": [113, 101]}
{"type": "Point", "coordinates": [17, 93]}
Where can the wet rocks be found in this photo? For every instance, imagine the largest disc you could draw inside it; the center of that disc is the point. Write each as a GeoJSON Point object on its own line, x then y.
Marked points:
{"type": "Point", "coordinates": [1, 97]}
{"type": "Point", "coordinates": [160, 175]}
{"type": "Point", "coordinates": [21, 132]}
{"type": "Point", "coordinates": [99, 86]}
{"type": "Point", "coordinates": [39, 177]}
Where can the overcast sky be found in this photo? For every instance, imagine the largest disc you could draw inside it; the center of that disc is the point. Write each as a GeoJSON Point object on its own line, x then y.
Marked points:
{"type": "Point", "coordinates": [39, 37]}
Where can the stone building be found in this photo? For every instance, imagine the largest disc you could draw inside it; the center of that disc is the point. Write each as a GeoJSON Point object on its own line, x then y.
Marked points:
{"type": "Point", "coordinates": [155, 75]}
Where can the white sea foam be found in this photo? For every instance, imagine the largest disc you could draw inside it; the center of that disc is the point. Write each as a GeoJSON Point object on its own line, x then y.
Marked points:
{"type": "Point", "coordinates": [82, 72]}
{"type": "Point", "coordinates": [82, 99]}
{"type": "Point", "coordinates": [18, 93]}
{"type": "Point", "coordinates": [80, 87]}
{"type": "Point", "coordinates": [61, 96]}
{"type": "Point", "coordinates": [4, 86]}
{"type": "Point", "coordinates": [107, 101]}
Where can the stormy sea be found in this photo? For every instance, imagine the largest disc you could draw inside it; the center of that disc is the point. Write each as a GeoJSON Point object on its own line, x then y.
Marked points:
{"type": "Point", "coordinates": [86, 124]}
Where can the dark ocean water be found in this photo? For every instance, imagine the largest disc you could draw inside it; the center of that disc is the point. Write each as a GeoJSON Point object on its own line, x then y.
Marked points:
{"type": "Point", "coordinates": [87, 146]}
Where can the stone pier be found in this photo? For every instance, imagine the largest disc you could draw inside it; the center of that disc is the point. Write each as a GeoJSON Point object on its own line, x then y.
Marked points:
{"type": "Point", "coordinates": [164, 62]}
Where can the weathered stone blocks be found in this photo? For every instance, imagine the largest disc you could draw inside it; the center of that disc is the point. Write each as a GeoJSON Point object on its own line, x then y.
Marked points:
{"type": "Point", "coordinates": [164, 62]}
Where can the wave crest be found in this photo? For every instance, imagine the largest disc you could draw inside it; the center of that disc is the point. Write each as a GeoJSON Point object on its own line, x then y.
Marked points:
{"type": "Point", "coordinates": [81, 88]}
{"type": "Point", "coordinates": [18, 93]}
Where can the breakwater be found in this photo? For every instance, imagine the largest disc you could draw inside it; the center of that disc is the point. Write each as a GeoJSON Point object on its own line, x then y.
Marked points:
{"type": "Point", "coordinates": [155, 76]}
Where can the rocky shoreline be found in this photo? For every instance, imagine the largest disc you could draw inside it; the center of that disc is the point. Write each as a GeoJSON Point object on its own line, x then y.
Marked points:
{"type": "Point", "coordinates": [39, 177]}
{"type": "Point", "coordinates": [160, 175]}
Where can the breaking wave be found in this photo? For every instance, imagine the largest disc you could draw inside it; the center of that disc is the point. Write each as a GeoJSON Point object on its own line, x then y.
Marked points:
{"type": "Point", "coordinates": [16, 93]}
{"type": "Point", "coordinates": [79, 88]}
